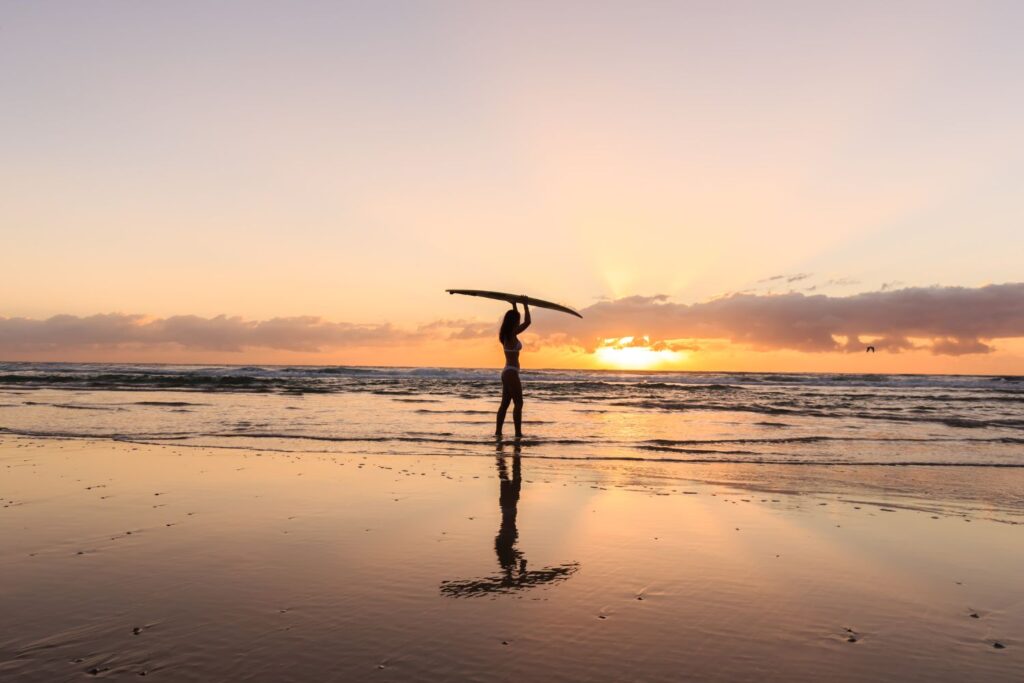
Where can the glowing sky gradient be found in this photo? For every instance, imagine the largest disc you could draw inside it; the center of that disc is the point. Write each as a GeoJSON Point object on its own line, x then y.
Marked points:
{"type": "Point", "coordinates": [350, 161]}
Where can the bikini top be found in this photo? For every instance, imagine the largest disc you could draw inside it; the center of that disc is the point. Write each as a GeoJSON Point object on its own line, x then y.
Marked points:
{"type": "Point", "coordinates": [515, 348]}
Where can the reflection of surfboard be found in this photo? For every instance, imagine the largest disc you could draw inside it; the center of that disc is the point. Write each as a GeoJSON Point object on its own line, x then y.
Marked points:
{"type": "Point", "coordinates": [515, 299]}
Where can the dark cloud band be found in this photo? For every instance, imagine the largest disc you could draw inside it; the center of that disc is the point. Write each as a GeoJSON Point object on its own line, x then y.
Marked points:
{"type": "Point", "coordinates": [220, 333]}
{"type": "Point", "coordinates": [944, 320]}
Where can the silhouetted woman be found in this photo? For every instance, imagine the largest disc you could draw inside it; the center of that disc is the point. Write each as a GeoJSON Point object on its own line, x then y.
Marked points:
{"type": "Point", "coordinates": [511, 387]}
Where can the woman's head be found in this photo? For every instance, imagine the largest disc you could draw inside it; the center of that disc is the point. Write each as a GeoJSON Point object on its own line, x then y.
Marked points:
{"type": "Point", "coordinates": [508, 326]}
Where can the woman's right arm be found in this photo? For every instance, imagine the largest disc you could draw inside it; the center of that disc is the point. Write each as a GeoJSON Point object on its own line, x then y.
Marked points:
{"type": "Point", "coordinates": [526, 321]}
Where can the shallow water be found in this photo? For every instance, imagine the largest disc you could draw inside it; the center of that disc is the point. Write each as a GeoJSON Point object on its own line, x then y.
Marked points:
{"type": "Point", "coordinates": [741, 417]}
{"type": "Point", "coordinates": [777, 431]}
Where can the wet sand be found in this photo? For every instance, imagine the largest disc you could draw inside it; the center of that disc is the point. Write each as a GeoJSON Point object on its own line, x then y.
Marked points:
{"type": "Point", "coordinates": [190, 564]}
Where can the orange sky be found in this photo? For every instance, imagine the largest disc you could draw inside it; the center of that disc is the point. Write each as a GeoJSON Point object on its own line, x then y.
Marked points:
{"type": "Point", "coordinates": [349, 162]}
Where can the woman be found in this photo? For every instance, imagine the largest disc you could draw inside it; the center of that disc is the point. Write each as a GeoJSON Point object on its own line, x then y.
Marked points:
{"type": "Point", "coordinates": [511, 387]}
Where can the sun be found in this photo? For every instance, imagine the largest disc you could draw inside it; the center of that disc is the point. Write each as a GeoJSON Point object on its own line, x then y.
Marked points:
{"type": "Point", "coordinates": [625, 354]}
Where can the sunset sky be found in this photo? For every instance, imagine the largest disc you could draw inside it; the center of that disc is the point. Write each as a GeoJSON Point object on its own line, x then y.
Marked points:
{"type": "Point", "coordinates": [715, 185]}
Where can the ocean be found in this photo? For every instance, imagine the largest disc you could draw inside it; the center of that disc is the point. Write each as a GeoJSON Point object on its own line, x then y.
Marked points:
{"type": "Point", "coordinates": [702, 417]}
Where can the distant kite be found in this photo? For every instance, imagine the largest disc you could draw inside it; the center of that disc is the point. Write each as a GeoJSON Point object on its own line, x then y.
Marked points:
{"type": "Point", "coordinates": [871, 349]}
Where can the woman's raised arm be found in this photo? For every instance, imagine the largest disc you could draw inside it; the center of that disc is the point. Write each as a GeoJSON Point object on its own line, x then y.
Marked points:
{"type": "Point", "coordinates": [526, 320]}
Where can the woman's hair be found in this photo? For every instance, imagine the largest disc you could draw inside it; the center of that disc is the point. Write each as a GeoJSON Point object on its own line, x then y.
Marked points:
{"type": "Point", "coordinates": [508, 326]}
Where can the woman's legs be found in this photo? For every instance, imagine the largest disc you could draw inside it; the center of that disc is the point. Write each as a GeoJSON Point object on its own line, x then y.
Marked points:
{"type": "Point", "coordinates": [517, 399]}
{"type": "Point", "coordinates": [511, 391]}
{"type": "Point", "coordinates": [506, 399]}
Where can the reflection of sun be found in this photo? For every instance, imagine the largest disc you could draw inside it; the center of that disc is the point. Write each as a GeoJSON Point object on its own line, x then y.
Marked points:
{"type": "Point", "coordinates": [625, 357]}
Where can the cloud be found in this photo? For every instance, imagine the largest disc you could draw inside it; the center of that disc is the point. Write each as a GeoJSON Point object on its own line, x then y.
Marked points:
{"type": "Point", "coordinates": [220, 333]}
{"type": "Point", "coordinates": [786, 278]}
{"type": "Point", "coordinates": [944, 320]}
{"type": "Point", "coordinates": [842, 282]}
{"type": "Point", "coordinates": [647, 342]}
{"type": "Point", "coordinates": [461, 329]}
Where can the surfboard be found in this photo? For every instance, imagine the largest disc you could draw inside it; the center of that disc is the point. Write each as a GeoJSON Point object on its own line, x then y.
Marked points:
{"type": "Point", "coordinates": [515, 299]}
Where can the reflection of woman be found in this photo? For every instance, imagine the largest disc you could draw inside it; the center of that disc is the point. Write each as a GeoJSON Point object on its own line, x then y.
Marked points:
{"type": "Point", "coordinates": [511, 387]}
{"type": "Point", "coordinates": [513, 576]}
{"type": "Point", "coordinates": [508, 500]}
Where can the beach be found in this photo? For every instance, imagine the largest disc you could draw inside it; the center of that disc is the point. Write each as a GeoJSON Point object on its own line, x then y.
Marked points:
{"type": "Point", "coordinates": [187, 551]}
{"type": "Point", "coordinates": [202, 564]}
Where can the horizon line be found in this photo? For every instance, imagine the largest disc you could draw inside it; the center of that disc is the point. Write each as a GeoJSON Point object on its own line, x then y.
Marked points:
{"type": "Point", "coordinates": [463, 367]}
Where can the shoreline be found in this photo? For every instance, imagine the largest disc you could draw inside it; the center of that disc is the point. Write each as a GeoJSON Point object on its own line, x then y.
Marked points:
{"type": "Point", "coordinates": [993, 492]}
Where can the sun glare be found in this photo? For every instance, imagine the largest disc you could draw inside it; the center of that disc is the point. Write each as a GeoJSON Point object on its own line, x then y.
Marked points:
{"type": "Point", "coordinates": [623, 356]}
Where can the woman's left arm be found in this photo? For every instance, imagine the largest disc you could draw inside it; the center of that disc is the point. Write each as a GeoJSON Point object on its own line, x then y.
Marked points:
{"type": "Point", "coordinates": [526, 320]}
